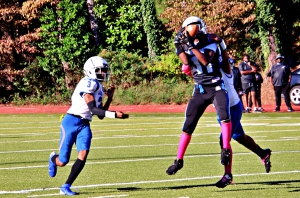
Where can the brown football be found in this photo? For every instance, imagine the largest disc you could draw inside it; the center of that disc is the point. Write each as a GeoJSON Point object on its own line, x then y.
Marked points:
{"type": "Point", "coordinates": [193, 29]}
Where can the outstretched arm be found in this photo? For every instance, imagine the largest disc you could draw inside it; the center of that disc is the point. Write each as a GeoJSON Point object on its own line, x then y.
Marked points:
{"type": "Point", "coordinates": [91, 103]}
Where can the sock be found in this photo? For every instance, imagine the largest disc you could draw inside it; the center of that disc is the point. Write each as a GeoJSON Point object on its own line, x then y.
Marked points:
{"type": "Point", "coordinates": [76, 169]}
{"type": "Point", "coordinates": [260, 152]}
{"type": "Point", "coordinates": [229, 166]}
{"type": "Point", "coordinates": [226, 133]}
{"type": "Point", "coordinates": [183, 144]}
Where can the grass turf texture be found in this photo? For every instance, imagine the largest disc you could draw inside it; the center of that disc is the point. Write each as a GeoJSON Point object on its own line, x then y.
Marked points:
{"type": "Point", "coordinates": [129, 157]}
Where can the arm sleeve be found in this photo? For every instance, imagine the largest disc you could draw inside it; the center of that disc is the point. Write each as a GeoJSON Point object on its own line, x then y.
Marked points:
{"type": "Point", "coordinates": [98, 111]}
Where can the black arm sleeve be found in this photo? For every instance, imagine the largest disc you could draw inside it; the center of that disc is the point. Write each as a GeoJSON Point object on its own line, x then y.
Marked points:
{"type": "Point", "coordinates": [95, 110]}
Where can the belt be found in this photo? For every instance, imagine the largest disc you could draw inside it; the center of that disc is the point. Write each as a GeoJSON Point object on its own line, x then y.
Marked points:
{"type": "Point", "coordinates": [78, 116]}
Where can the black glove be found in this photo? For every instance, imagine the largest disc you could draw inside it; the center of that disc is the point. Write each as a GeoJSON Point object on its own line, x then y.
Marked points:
{"type": "Point", "coordinates": [189, 41]}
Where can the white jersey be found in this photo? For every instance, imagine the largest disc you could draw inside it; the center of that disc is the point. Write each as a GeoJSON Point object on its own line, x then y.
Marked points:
{"type": "Point", "coordinates": [86, 86]}
{"type": "Point", "coordinates": [228, 81]}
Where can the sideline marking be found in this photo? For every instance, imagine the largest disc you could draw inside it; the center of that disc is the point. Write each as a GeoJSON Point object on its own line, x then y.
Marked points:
{"type": "Point", "coordinates": [147, 182]}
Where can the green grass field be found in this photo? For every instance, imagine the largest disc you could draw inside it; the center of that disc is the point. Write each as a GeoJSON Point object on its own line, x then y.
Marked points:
{"type": "Point", "coordinates": [129, 158]}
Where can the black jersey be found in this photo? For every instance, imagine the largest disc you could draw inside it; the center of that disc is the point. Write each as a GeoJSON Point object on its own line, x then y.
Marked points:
{"type": "Point", "coordinates": [204, 75]}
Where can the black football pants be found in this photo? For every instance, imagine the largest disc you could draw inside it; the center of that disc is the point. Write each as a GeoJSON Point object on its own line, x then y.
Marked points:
{"type": "Point", "coordinates": [200, 101]}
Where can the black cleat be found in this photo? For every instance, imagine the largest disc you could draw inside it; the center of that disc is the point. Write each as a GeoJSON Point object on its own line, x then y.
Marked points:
{"type": "Point", "coordinates": [176, 166]}
{"type": "Point", "coordinates": [225, 181]}
{"type": "Point", "coordinates": [266, 160]}
{"type": "Point", "coordinates": [225, 156]}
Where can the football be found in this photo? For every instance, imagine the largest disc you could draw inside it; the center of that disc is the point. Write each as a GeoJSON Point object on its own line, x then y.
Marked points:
{"type": "Point", "coordinates": [193, 29]}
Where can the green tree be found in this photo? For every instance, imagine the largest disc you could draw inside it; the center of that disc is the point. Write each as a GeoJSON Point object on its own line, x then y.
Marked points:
{"type": "Point", "coordinates": [67, 42]}
{"type": "Point", "coordinates": [151, 27]}
{"type": "Point", "coordinates": [121, 24]}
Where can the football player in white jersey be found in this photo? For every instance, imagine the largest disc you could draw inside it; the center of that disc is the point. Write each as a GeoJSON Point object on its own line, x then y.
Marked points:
{"type": "Point", "coordinates": [75, 126]}
{"type": "Point", "coordinates": [236, 111]}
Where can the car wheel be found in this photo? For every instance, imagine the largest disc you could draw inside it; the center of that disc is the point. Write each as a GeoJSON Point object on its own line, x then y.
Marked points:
{"type": "Point", "coordinates": [295, 95]}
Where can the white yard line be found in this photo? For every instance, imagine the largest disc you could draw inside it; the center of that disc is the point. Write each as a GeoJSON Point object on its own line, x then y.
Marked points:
{"type": "Point", "coordinates": [197, 133]}
{"type": "Point", "coordinates": [148, 182]}
{"type": "Point", "coordinates": [283, 139]}
{"type": "Point", "coordinates": [142, 159]}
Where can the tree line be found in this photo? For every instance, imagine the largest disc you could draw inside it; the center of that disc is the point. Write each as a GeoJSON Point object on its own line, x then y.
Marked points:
{"type": "Point", "coordinates": [44, 44]}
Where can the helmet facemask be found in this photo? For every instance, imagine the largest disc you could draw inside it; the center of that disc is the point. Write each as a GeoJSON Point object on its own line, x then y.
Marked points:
{"type": "Point", "coordinates": [102, 73]}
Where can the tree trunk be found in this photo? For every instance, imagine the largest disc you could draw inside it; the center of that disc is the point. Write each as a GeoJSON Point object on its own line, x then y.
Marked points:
{"type": "Point", "coordinates": [93, 21]}
{"type": "Point", "coordinates": [272, 44]}
{"type": "Point", "coordinates": [68, 76]}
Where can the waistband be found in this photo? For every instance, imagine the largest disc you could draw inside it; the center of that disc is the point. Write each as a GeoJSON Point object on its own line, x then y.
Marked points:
{"type": "Point", "coordinates": [78, 116]}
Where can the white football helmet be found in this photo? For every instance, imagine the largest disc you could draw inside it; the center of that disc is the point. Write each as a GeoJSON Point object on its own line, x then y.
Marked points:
{"type": "Point", "coordinates": [97, 68]}
{"type": "Point", "coordinates": [195, 20]}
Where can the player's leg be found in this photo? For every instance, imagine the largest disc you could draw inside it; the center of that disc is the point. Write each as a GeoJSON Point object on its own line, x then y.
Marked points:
{"type": "Point", "coordinates": [83, 143]}
{"type": "Point", "coordinates": [221, 102]}
{"type": "Point", "coordinates": [194, 111]}
{"type": "Point", "coordinates": [239, 135]}
{"type": "Point", "coordinates": [67, 139]}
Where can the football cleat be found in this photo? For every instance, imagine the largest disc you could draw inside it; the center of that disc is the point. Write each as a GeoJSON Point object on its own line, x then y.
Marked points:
{"type": "Point", "coordinates": [266, 160]}
{"type": "Point", "coordinates": [176, 166]}
{"type": "Point", "coordinates": [52, 168]}
{"type": "Point", "coordinates": [65, 190]}
{"type": "Point", "coordinates": [225, 156]}
{"type": "Point", "coordinates": [225, 181]}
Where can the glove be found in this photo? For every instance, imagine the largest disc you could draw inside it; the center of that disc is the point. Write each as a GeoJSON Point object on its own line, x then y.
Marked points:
{"type": "Point", "coordinates": [189, 41]}
{"type": "Point", "coordinates": [186, 69]}
{"type": "Point", "coordinates": [121, 115]}
{"type": "Point", "coordinates": [124, 116]}
{"type": "Point", "coordinates": [223, 45]}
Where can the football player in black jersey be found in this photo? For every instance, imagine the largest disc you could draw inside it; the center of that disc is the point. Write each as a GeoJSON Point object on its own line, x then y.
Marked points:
{"type": "Point", "coordinates": [196, 50]}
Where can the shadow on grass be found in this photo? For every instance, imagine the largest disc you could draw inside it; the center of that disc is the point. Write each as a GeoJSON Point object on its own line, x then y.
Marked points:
{"type": "Point", "coordinates": [275, 183]}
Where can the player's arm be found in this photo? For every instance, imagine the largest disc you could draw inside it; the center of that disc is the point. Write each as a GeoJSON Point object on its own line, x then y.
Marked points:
{"type": "Point", "coordinates": [225, 59]}
{"type": "Point", "coordinates": [110, 93]}
{"type": "Point", "coordinates": [214, 37]}
{"type": "Point", "coordinates": [91, 103]}
{"type": "Point", "coordinates": [185, 68]}
{"type": "Point", "coordinates": [205, 58]}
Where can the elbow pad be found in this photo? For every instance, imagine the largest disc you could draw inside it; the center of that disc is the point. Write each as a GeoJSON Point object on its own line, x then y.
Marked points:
{"type": "Point", "coordinates": [186, 69]}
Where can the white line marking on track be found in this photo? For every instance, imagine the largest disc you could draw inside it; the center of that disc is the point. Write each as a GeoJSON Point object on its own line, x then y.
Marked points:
{"type": "Point", "coordinates": [148, 182]}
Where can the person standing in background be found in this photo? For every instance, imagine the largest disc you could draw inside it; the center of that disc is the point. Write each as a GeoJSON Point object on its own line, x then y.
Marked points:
{"type": "Point", "coordinates": [259, 80]}
{"type": "Point", "coordinates": [280, 76]}
{"type": "Point", "coordinates": [248, 81]}
{"type": "Point", "coordinates": [237, 83]}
